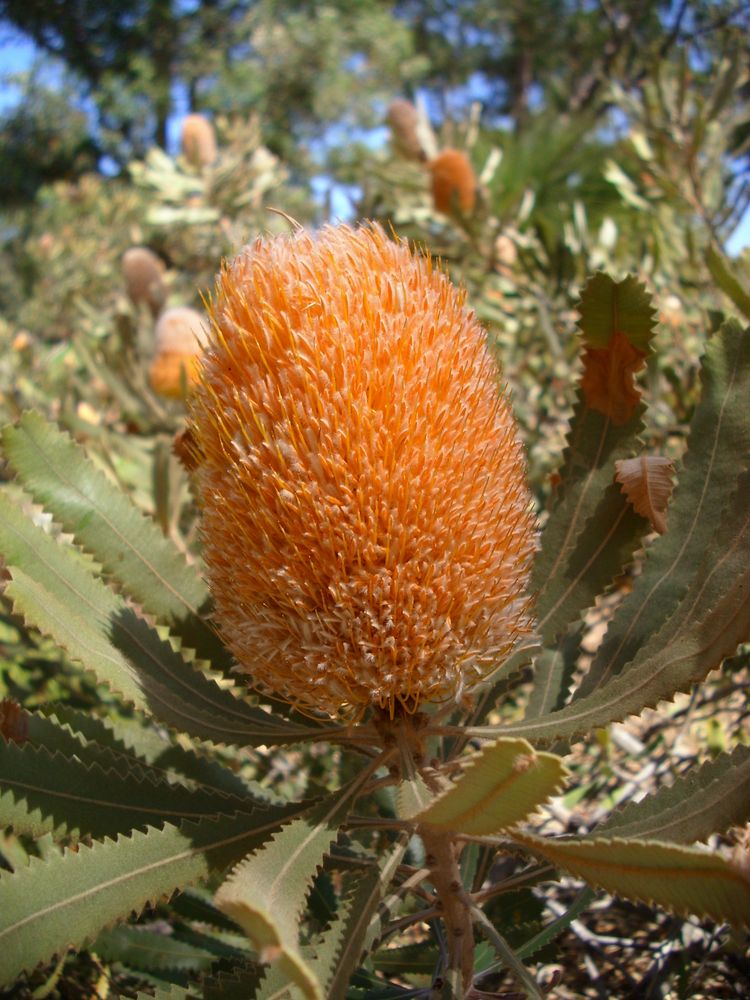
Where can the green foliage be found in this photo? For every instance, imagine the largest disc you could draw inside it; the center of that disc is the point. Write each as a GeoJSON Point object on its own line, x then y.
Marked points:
{"type": "Point", "coordinates": [139, 815]}
{"type": "Point", "coordinates": [152, 830]}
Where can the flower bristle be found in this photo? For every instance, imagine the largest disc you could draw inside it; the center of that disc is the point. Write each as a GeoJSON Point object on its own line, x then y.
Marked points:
{"type": "Point", "coordinates": [366, 521]}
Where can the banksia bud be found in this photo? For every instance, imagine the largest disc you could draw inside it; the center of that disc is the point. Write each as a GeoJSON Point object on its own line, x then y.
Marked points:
{"type": "Point", "coordinates": [454, 184]}
{"type": "Point", "coordinates": [403, 119]}
{"type": "Point", "coordinates": [198, 140]}
{"type": "Point", "coordinates": [143, 273]}
{"type": "Point", "coordinates": [367, 525]}
{"type": "Point", "coordinates": [180, 336]}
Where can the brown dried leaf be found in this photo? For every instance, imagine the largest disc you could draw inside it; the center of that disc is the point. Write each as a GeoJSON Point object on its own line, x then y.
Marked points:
{"type": "Point", "coordinates": [647, 483]}
{"type": "Point", "coordinates": [14, 725]}
{"type": "Point", "coordinates": [607, 380]}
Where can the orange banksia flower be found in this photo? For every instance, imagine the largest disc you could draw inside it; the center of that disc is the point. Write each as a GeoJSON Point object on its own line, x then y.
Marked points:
{"type": "Point", "coordinates": [367, 525]}
{"type": "Point", "coordinates": [180, 335]}
{"type": "Point", "coordinates": [454, 184]}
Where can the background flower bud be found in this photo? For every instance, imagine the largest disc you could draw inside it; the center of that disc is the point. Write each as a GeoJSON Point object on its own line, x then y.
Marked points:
{"type": "Point", "coordinates": [403, 119]}
{"type": "Point", "coordinates": [198, 140]}
{"type": "Point", "coordinates": [454, 184]}
{"type": "Point", "coordinates": [143, 272]}
{"type": "Point", "coordinates": [180, 335]}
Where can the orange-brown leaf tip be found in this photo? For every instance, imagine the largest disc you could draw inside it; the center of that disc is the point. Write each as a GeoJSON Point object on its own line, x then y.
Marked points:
{"type": "Point", "coordinates": [198, 140]}
{"type": "Point", "coordinates": [180, 336]}
{"type": "Point", "coordinates": [13, 723]}
{"type": "Point", "coordinates": [607, 380]}
{"type": "Point", "coordinates": [367, 524]}
{"type": "Point", "coordinates": [454, 184]}
{"type": "Point", "coordinates": [647, 483]}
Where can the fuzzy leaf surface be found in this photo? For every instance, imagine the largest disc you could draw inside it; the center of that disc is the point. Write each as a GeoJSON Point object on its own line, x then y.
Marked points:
{"type": "Point", "coordinates": [337, 955]}
{"type": "Point", "coordinates": [55, 591]}
{"type": "Point", "coordinates": [58, 474]}
{"type": "Point", "coordinates": [683, 879]}
{"type": "Point", "coordinates": [67, 899]}
{"type": "Point", "coordinates": [607, 307]}
{"type": "Point", "coordinates": [499, 787]}
{"type": "Point", "coordinates": [266, 893]}
{"type": "Point", "coordinates": [43, 792]}
{"type": "Point", "coordinates": [708, 800]}
{"type": "Point", "coordinates": [141, 948]}
{"type": "Point", "coordinates": [113, 741]}
{"type": "Point", "coordinates": [712, 619]}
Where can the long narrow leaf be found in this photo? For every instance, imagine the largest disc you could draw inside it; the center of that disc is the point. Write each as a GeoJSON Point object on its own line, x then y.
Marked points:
{"type": "Point", "coordinates": [55, 591]}
{"type": "Point", "coordinates": [686, 880]}
{"type": "Point", "coordinates": [57, 473]}
{"type": "Point", "coordinates": [708, 800]}
{"type": "Point", "coordinates": [66, 900]}
{"type": "Point", "coordinates": [717, 454]}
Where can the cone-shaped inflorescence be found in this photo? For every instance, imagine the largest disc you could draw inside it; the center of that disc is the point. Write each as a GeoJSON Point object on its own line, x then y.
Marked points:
{"type": "Point", "coordinates": [454, 184]}
{"type": "Point", "coordinates": [143, 272]}
{"type": "Point", "coordinates": [198, 140]}
{"type": "Point", "coordinates": [180, 335]}
{"type": "Point", "coordinates": [366, 519]}
{"type": "Point", "coordinates": [403, 119]}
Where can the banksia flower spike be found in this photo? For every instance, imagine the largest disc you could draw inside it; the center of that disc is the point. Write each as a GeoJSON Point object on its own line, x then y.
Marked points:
{"type": "Point", "coordinates": [454, 184]}
{"type": "Point", "coordinates": [180, 335]}
{"type": "Point", "coordinates": [403, 119]}
{"type": "Point", "coordinates": [198, 141]}
{"type": "Point", "coordinates": [143, 272]}
{"type": "Point", "coordinates": [367, 525]}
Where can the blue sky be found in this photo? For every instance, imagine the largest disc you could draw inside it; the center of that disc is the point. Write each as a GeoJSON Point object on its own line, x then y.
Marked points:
{"type": "Point", "coordinates": [17, 55]}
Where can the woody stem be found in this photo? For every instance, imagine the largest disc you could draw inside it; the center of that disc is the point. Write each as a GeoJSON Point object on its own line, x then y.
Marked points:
{"type": "Point", "coordinates": [441, 857]}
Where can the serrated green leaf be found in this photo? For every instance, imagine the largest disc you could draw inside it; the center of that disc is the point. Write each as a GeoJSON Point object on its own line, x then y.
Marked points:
{"type": "Point", "coordinates": [726, 279]}
{"type": "Point", "coordinates": [43, 792]}
{"type": "Point", "coordinates": [170, 992]}
{"type": "Point", "coordinates": [196, 904]}
{"type": "Point", "coordinates": [65, 900]}
{"type": "Point", "coordinates": [547, 934]}
{"type": "Point", "coordinates": [717, 455]}
{"type": "Point", "coordinates": [266, 892]}
{"type": "Point", "coordinates": [709, 799]}
{"type": "Point", "coordinates": [712, 619]}
{"type": "Point", "coordinates": [607, 307]}
{"type": "Point", "coordinates": [553, 674]}
{"type": "Point", "coordinates": [686, 880]}
{"type": "Point", "coordinates": [338, 953]}
{"type": "Point", "coordinates": [131, 742]}
{"type": "Point", "coordinates": [57, 473]}
{"type": "Point", "coordinates": [412, 796]}
{"type": "Point", "coordinates": [498, 788]}
{"type": "Point", "coordinates": [54, 591]}
{"type": "Point", "coordinates": [592, 531]}
{"type": "Point", "coordinates": [421, 958]}
{"type": "Point", "coordinates": [141, 948]}
{"type": "Point", "coordinates": [586, 562]}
